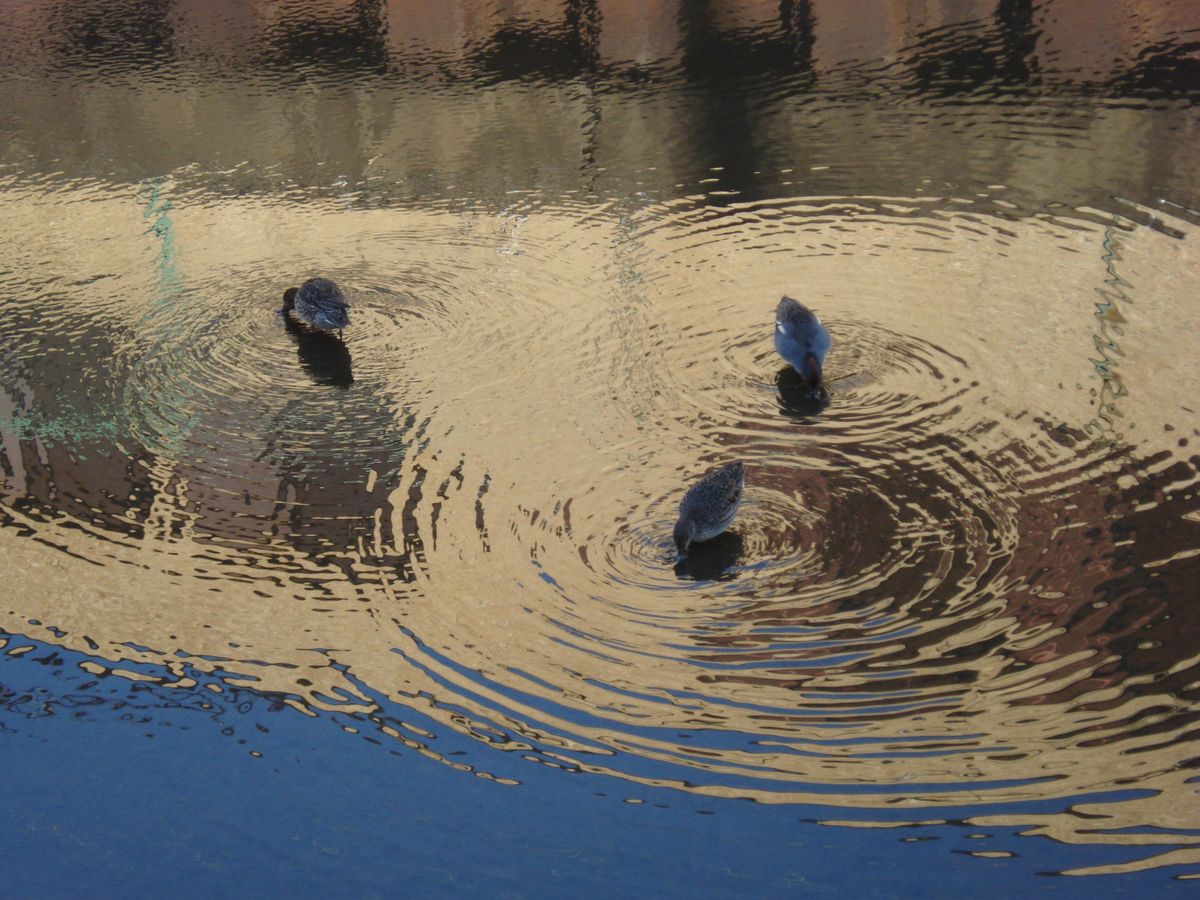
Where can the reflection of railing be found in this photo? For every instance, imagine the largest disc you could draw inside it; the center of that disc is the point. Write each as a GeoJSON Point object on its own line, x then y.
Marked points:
{"type": "Point", "coordinates": [157, 210]}
{"type": "Point", "coordinates": [158, 207]}
{"type": "Point", "coordinates": [941, 52]}
{"type": "Point", "coordinates": [1108, 313]}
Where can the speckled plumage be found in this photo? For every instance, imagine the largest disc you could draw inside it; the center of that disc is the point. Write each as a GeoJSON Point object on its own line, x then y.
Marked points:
{"type": "Point", "coordinates": [802, 341]}
{"type": "Point", "coordinates": [319, 303]}
{"type": "Point", "coordinates": [709, 506]}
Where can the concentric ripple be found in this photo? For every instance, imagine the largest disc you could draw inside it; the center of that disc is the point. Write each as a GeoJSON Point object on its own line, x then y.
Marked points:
{"type": "Point", "coordinates": [913, 607]}
{"type": "Point", "coordinates": [929, 596]}
{"type": "Point", "coordinates": [211, 366]}
{"type": "Point", "coordinates": [963, 583]}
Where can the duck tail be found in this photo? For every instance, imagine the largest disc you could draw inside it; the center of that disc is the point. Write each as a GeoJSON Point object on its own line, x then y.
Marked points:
{"type": "Point", "coordinates": [289, 299]}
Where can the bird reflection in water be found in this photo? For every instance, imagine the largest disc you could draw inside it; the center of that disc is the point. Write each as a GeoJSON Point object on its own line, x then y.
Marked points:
{"type": "Point", "coordinates": [712, 560]}
{"type": "Point", "coordinates": [323, 355]}
{"type": "Point", "coordinates": [796, 396]}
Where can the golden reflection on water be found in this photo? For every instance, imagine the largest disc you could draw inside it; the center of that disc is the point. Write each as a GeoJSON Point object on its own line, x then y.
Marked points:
{"type": "Point", "coordinates": [940, 588]}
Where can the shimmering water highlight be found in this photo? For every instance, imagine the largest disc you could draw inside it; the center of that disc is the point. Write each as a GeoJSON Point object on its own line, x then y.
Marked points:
{"type": "Point", "coordinates": [964, 582]}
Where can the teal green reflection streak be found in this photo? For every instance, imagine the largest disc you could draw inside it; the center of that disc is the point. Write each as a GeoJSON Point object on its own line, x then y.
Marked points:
{"type": "Point", "coordinates": [170, 427]}
{"type": "Point", "coordinates": [1108, 312]}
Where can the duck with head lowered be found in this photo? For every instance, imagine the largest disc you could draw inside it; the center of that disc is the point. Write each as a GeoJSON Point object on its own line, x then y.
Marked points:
{"type": "Point", "coordinates": [803, 341]}
{"type": "Point", "coordinates": [319, 303]}
{"type": "Point", "coordinates": [709, 506]}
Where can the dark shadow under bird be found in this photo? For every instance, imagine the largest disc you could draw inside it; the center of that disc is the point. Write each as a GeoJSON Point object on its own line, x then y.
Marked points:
{"type": "Point", "coordinates": [796, 397]}
{"type": "Point", "coordinates": [712, 560]}
{"type": "Point", "coordinates": [324, 356]}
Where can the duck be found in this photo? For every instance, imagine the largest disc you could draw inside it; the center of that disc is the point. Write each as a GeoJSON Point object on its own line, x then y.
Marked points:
{"type": "Point", "coordinates": [802, 341]}
{"type": "Point", "coordinates": [320, 303]}
{"type": "Point", "coordinates": [709, 506]}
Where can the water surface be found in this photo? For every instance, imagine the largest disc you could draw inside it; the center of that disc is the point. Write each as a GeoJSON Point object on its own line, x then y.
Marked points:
{"type": "Point", "coordinates": [959, 596]}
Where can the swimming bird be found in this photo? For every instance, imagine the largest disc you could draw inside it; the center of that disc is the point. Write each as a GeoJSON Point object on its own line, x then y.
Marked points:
{"type": "Point", "coordinates": [320, 303]}
{"type": "Point", "coordinates": [802, 340]}
{"type": "Point", "coordinates": [709, 506]}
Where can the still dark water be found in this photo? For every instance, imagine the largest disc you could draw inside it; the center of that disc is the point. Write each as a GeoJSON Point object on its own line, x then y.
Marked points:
{"type": "Point", "coordinates": [285, 615]}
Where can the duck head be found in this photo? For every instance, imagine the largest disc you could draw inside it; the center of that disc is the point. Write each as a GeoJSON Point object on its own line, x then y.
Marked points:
{"type": "Point", "coordinates": [814, 377]}
{"type": "Point", "coordinates": [685, 531]}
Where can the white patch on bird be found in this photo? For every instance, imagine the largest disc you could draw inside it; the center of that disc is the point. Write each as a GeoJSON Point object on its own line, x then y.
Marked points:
{"type": "Point", "coordinates": [779, 325]}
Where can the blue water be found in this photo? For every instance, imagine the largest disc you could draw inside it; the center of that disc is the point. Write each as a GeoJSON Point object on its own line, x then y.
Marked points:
{"type": "Point", "coordinates": [117, 789]}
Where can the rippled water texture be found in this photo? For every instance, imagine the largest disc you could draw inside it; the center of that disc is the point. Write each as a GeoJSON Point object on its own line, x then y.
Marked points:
{"type": "Point", "coordinates": [968, 580]}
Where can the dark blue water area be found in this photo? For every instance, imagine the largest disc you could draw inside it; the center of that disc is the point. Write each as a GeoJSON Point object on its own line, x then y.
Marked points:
{"type": "Point", "coordinates": [116, 787]}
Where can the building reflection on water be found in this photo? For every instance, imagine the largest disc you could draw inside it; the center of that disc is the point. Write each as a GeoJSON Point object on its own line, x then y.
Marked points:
{"type": "Point", "coordinates": [611, 96]}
